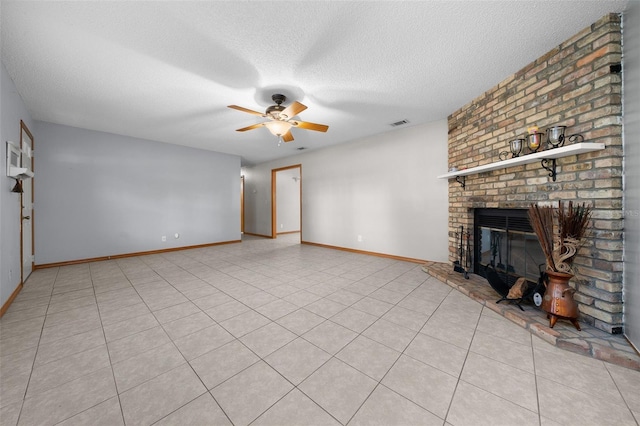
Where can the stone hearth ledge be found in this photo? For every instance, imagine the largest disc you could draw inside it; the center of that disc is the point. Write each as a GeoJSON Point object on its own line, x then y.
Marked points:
{"type": "Point", "coordinates": [590, 342]}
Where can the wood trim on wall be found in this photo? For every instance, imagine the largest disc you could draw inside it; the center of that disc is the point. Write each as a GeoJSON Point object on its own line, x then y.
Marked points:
{"type": "Point", "coordinates": [274, 208]}
{"type": "Point", "coordinates": [300, 188]}
{"type": "Point", "coordinates": [23, 127]}
{"type": "Point", "coordinates": [10, 300]}
{"type": "Point", "coordinates": [125, 255]}
{"type": "Point", "coordinates": [242, 203]}
{"type": "Point", "coordinates": [633, 346]}
{"type": "Point", "coordinates": [370, 253]}
{"type": "Point", "coordinates": [274, 224]}
{"type": "Point", "coordinates": [289, 232]}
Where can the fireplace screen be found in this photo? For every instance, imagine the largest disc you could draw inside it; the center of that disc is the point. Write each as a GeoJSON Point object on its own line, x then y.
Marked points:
{"type": "Point", "coordinates": [505, 240]}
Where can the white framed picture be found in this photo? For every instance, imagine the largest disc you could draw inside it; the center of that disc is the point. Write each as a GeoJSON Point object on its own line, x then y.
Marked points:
{"type": "Point", "coordinates": [13, 157]}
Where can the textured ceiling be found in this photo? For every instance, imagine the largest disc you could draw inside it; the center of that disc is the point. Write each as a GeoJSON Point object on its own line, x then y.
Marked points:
{"type": "Point", "coordinates": [167, 70]}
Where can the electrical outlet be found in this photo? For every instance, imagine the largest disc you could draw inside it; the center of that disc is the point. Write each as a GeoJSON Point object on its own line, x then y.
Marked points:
{"type": "Point", "coordinates": [164, 238]}
{"type": "Point", "coordinates": [281, 225]}
{"type": "Point", "coordinates": [359, 238]}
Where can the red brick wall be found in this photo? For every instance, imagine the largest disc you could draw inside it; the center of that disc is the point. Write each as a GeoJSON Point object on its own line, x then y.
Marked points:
{"type": "Point", "coordinates": [572, 85]}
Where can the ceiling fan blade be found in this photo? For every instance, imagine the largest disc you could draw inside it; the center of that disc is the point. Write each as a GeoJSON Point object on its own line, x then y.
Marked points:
{"type": "Point", "coordinates": [287, 137]}
{"type": "Point", "coordinates": [253, 126]}
{"type": "Point", "coordinates": [250, 111]}
{"type": "Point", "coordinates": [292, 110]}
{"type": "Point", "coordinates": [310, 126]}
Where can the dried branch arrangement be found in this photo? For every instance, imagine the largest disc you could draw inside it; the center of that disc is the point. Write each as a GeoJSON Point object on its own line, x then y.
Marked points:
{"type": "Point", "coordinates": [541, 219]}
{"type": "Point", "coordinates": [560, 240]}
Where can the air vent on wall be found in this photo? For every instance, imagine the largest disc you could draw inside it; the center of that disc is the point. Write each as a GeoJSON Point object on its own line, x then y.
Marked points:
{"type": "Point", "coordinates": [399, 123]}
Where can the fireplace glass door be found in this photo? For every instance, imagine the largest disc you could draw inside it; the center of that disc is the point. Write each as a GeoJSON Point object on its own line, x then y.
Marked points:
{"type": "Point", "coordinates": [505, 241]}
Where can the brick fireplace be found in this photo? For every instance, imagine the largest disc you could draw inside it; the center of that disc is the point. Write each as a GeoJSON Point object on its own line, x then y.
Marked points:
{"type": "Point", "coordinates": [578, 85]}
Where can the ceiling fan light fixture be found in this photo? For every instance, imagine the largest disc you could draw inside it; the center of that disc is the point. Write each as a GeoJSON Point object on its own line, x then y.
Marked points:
{"type": "Point", "coordinates": [280, 119]}
{"type": "Point", "coordinates": [277, 127]}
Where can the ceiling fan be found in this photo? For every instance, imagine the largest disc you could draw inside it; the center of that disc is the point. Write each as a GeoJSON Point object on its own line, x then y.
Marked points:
{"type": "Point", "coordinates": [281, 119]}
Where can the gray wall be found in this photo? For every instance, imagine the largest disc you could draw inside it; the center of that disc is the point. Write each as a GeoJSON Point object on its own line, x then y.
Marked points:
{"type": "Point", "coordinates": [382, 188]}
{"type": "Point", "coordinates": [100, 194]}
{"type": "Point", "coordinates": [631, 76]}
{"type": "Point", "coordinates": [12, 110]}
{"type": "Point", "coordinates": [288, 200]}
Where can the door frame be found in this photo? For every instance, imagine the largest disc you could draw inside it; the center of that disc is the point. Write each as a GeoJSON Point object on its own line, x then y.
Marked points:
{"type": "Point", "coordinates": [242, 204]}
{"type": "Point", "coordinates": [25, 129]}
{"type": "Point", "coordinates": [274, 224]}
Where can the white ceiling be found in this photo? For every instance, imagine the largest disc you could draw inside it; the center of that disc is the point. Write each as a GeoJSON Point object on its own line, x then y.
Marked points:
{"type": "Point", "coordinates": [167, 70]}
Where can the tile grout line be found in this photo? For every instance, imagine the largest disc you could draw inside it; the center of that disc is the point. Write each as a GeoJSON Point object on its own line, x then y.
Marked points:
{"type": "Point", "coordinates": [459, 379]}
{"type": "Point", "coordinates": [186, 362]}
{"type": "Point", "coordinates": [535, 378]}
{"type": "Point", "coordinates": [181, 263]}
{"type": "Point", "coordinates": [310, 374]}
{"type": "Point", "coordinates": [176, 289]}
{"type": "Point", "coordinates": [26, 390]}
{"type": "Point", "coordinates": [379, 382]}
{"type": "Point", "coordinates": [113, 375]}
{"type": "Point", "coordinates": [620, 392]}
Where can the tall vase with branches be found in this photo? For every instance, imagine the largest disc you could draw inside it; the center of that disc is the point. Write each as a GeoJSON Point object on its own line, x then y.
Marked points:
{"type": "Point", "coordinates": [561, 232]}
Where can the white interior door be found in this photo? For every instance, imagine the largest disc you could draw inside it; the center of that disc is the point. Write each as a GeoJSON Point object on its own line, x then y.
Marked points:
{"type": "Point", "coordinates": [26, 213]}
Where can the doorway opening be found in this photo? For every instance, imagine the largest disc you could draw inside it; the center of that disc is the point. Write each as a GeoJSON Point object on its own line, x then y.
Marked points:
{"type": "Point", "coordinates": [286, 201]}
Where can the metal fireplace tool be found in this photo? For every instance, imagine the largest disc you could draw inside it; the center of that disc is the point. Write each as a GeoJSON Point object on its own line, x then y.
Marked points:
{"type": "Point", "coordinates": [464, 253]}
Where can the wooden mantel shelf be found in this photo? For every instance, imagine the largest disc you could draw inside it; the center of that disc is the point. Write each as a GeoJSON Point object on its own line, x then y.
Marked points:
{"type": "Point", "coordinates": [550, 154]}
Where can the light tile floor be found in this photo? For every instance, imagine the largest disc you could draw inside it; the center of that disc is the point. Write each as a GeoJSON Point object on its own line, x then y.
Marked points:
{"type": "Point", "coordinates": [271, 332]}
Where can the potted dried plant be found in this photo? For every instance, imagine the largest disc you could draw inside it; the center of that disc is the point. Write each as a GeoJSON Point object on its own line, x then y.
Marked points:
{"type": "Point", "coordinates": [561, 233]}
